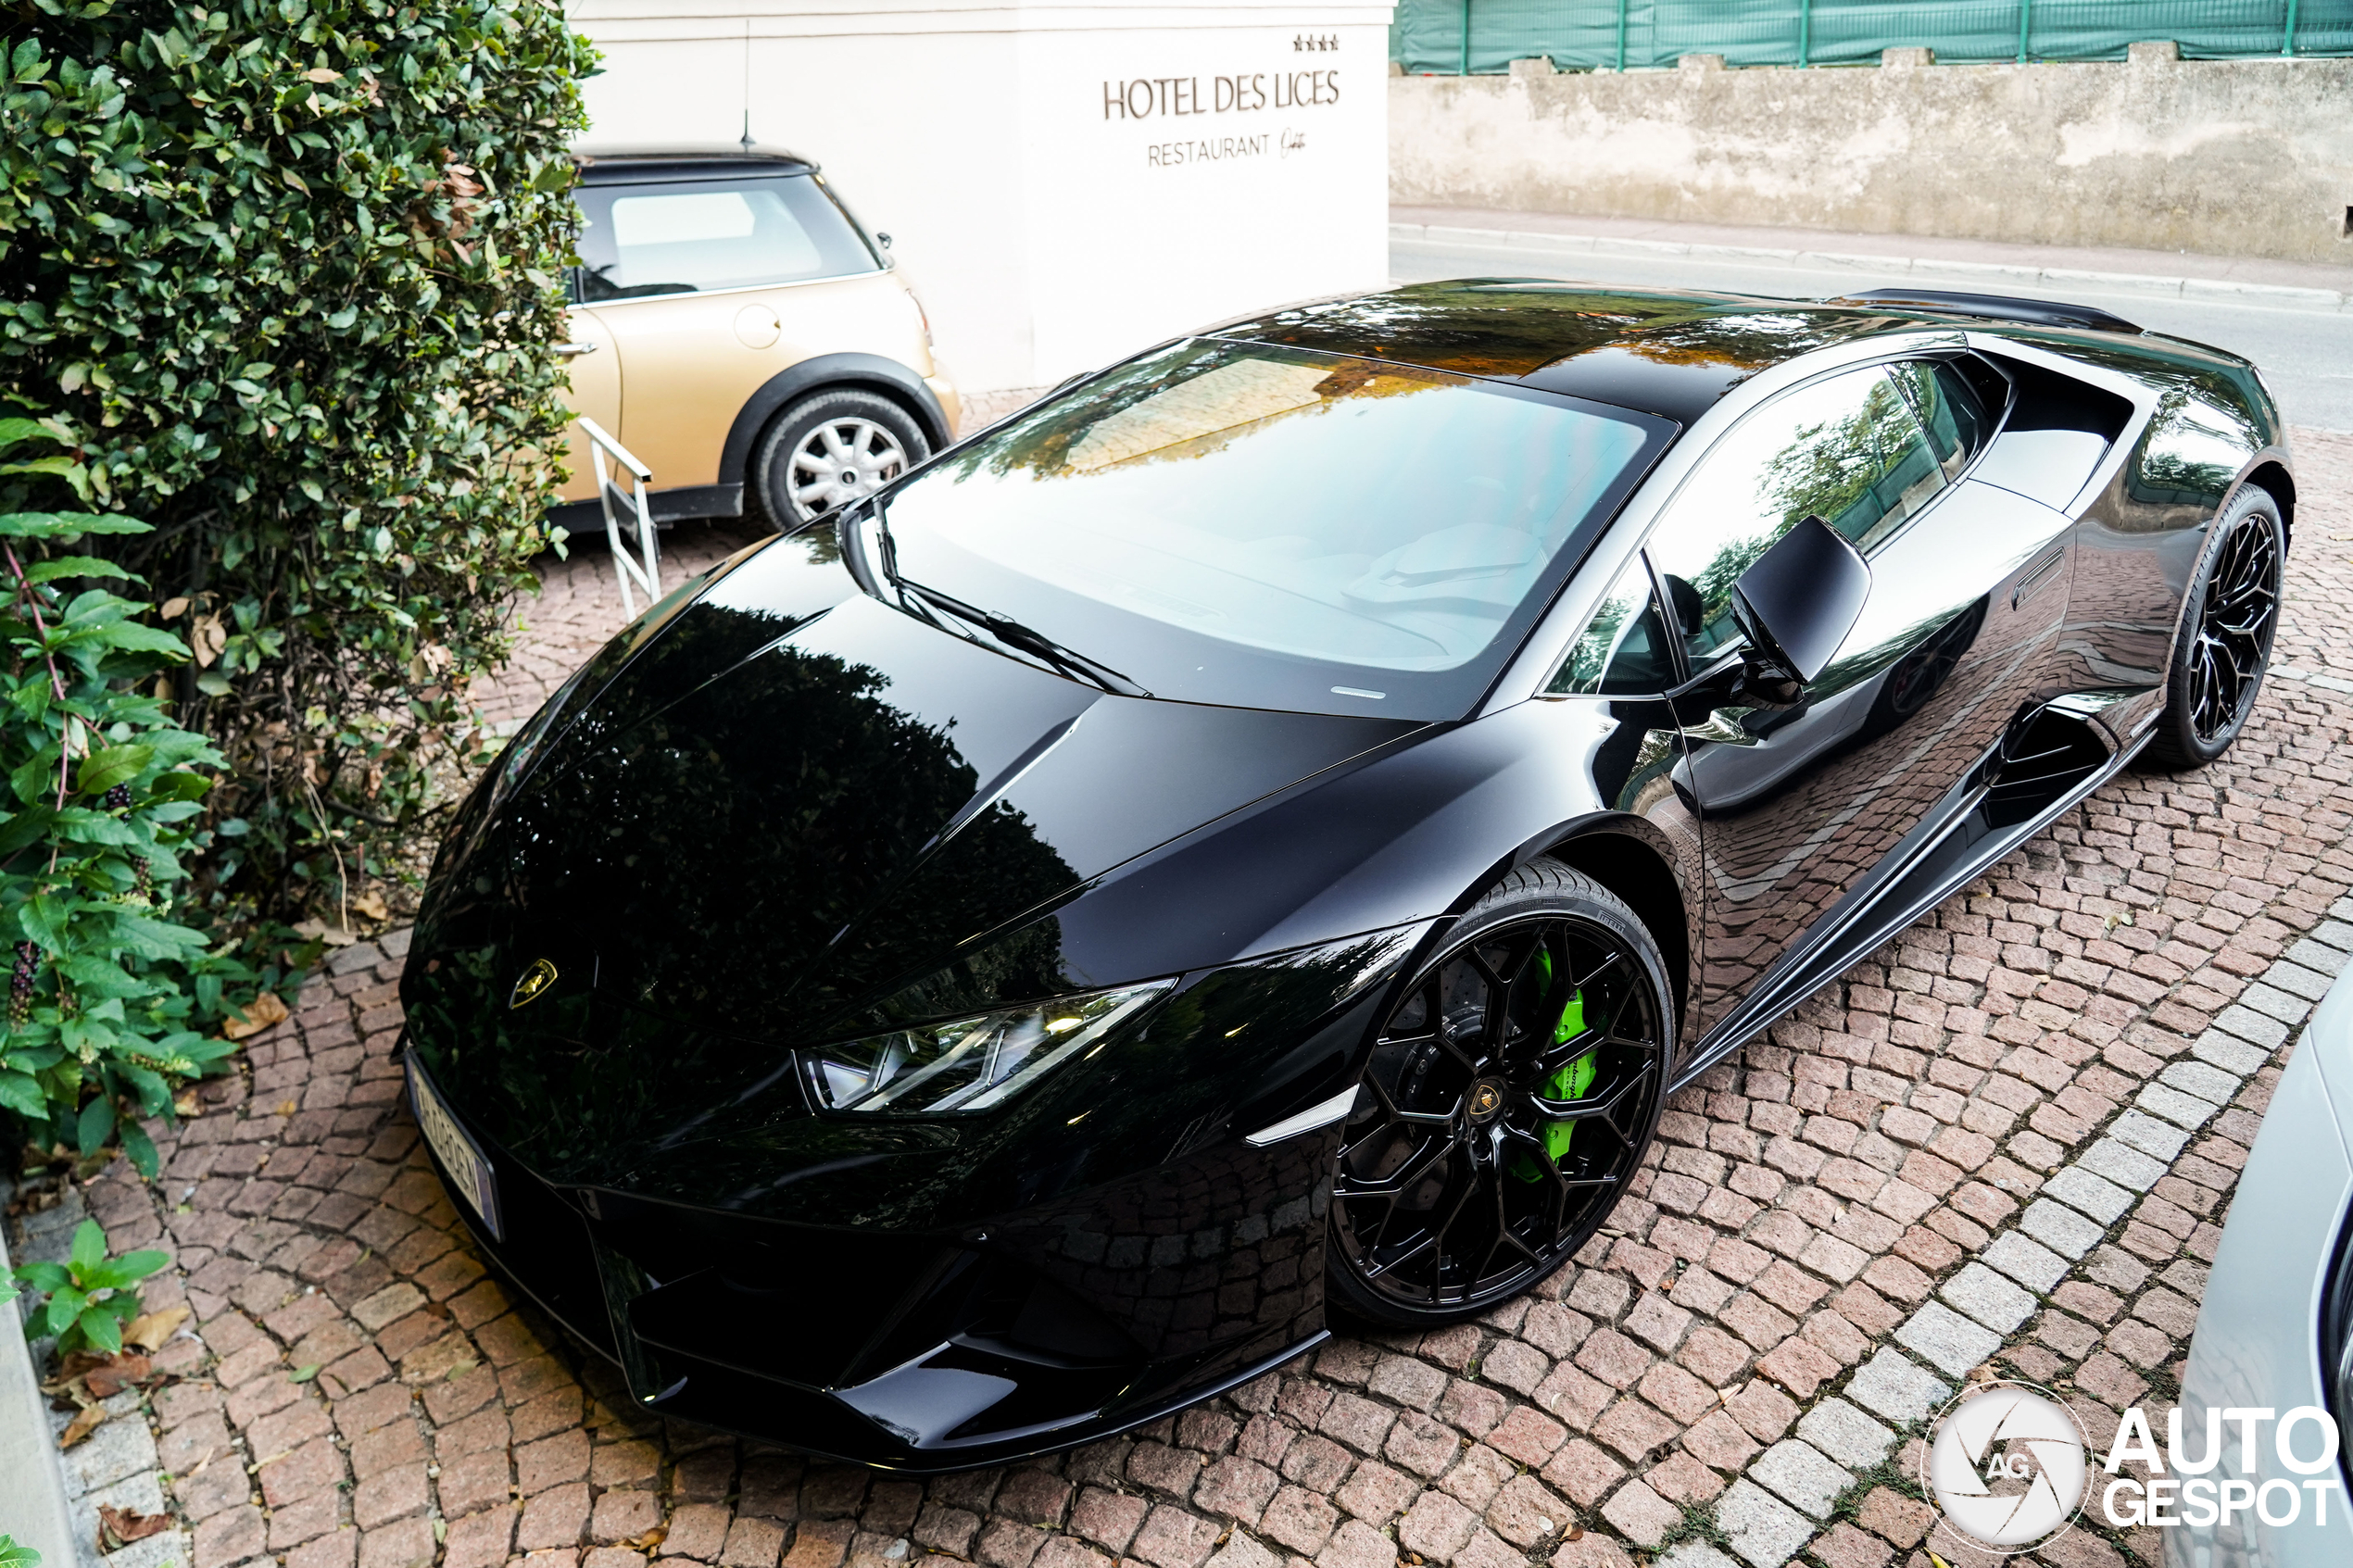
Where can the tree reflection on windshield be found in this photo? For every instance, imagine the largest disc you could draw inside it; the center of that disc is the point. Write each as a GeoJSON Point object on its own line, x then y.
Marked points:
{"type": "Point", "coordinates": [1362, 521]}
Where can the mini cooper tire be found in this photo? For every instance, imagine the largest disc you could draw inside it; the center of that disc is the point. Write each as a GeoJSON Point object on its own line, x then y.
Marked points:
{"type": "Point", "coordinates": [2223, 644]}
{"type": "Point", "coordinates": [1453, 1189]}
{"type": "Point", "coordinates": [869, 439]}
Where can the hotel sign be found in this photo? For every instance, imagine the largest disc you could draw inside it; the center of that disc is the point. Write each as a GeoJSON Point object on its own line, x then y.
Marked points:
{"type": "Point", "coordinates": [1174, 99]}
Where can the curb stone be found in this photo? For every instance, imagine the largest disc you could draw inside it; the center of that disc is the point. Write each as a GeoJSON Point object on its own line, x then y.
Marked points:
{"type": "Point", "coordinates": [2215, 291]}
{"type": "Point", "coordinates": [32, 1485]}
{"type": "Point", "coordinates": [118, 1465]}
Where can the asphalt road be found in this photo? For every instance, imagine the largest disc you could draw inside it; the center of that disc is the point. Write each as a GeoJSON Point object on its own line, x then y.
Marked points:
{"type": "Point", "coordinates": [2307, 355]}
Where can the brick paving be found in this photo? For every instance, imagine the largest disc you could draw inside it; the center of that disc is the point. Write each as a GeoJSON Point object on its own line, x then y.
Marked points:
{"type": "Point", "coordinates": [2008, 1138]}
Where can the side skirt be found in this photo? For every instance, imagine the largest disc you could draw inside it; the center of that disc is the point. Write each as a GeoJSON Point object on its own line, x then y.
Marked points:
{"type": "Point", "coordinates": [1997, 810]}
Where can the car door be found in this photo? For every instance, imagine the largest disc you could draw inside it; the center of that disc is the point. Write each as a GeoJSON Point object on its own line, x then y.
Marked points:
{"type": "Point", "coordinates": [1803, 807]}
{"type": "Point", "coordinates": [592, 361]}
{"type": "Point", "coordinates": [1614, 714]}
{"type": "Point", "coordinates": [710, 287]}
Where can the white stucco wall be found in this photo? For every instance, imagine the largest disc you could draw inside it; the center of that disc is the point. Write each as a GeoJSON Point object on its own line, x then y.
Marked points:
{"type": "Point", "coordinates": [1048, 227]}
{"type": "Point", "coordinates": [2229, 157]}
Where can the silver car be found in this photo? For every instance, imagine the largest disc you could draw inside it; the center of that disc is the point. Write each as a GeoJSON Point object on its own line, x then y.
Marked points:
{"type": "Point", "coordinates": [2272, 1335]}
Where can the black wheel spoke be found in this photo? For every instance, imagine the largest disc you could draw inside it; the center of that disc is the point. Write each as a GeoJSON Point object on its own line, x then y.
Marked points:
{"type": "Point", "coordinates": [2232, 641]}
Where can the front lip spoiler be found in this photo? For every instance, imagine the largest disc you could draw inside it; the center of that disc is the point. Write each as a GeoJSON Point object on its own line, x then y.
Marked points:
{"type": "Point", "coordinates": [822, 1425]}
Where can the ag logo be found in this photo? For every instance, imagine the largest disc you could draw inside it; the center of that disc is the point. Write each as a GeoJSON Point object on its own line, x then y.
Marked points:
{"type": "Point", "coordinates": [2007, 1466]}
{"type": "Point", "coordinates": [534, 981]}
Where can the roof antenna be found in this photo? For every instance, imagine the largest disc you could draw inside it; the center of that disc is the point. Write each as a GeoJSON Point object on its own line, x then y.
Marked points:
{"type": "Point", "coordinates": [748, 142]}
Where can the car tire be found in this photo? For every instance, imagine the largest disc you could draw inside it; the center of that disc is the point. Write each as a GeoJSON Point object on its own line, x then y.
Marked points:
{"type": "Point", "coordinates": [873, 440]}
{"type": "Point", "coordinates": [1453, 1189]}
{"type": "Point", "coordinates": [2223, 644]}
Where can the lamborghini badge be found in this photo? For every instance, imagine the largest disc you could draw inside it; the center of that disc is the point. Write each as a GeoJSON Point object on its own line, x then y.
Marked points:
{"type": "Point", "coordinates": [536, 980]}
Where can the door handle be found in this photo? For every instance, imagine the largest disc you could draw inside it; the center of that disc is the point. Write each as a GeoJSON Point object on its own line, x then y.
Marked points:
{"type": "Point", "coordinates": [2036, 574]}
{"type": "Point", "coordinates": [573, 350]}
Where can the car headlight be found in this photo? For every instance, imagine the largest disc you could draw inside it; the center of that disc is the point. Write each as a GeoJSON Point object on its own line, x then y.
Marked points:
{"type": "Point", "coordinates": [967, 1063]}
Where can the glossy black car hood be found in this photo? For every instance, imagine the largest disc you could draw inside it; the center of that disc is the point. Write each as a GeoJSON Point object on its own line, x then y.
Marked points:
{"type": "Point", "coordinates": [782, 811]}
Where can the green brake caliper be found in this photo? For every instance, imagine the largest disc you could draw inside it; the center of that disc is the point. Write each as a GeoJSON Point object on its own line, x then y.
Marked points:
{"type": "Point", "coordinates": [1569, 1082]}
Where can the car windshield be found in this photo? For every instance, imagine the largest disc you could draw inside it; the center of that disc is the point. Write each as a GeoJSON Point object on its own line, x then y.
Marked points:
{"type": "Point", "coordinates": [1262, 527]}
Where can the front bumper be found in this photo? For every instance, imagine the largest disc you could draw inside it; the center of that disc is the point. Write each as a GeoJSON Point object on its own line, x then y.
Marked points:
{"type": "Point", "coordinates": [923, 1353]}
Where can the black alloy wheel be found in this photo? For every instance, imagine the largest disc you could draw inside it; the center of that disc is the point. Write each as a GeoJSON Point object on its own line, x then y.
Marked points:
{"type": "Point", "coordinates": [2224, 643]}
{"type": "Point", "coordinates": [1509, 1098]}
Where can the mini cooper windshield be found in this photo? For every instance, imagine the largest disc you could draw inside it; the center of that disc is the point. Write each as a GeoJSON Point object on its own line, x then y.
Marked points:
{"type": "Point", "coordinates": [1261, 527]}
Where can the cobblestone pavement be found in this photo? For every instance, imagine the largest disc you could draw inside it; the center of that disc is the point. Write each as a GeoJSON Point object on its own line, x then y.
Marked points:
{"type": "Point", "coordinates": [578, 605]}
{"type": "Point", "coordinates": [2009, 1137]}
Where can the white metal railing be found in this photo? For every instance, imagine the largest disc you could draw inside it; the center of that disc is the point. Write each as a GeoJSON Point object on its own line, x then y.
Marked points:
{"type": "Point", "coordinates": [644, 567]}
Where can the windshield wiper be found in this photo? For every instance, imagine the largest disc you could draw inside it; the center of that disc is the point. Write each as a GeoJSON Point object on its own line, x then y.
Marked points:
{"type": "Point", "coordinates": [931, 603]}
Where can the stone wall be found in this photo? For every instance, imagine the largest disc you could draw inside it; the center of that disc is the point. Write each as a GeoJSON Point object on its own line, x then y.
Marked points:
{"type": "Point", "coordinates": [2236, 157]}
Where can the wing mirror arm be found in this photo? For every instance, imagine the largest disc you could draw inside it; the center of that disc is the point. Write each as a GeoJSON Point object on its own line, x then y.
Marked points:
{"type": "Point", "coordinates": [1754, 680]}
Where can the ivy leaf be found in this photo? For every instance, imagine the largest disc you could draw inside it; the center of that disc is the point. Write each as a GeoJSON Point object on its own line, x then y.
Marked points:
{"type": "Point", "coordinates": [142, 1149]}
{"type": "Point", "coordinates": [101, 1328]}
{"type": "Point", "coordinates": [20, 1091]}
{"type": "Point", "coordinates": [74, 566]}
{"type": "Point", "coordinates": [44, 1276]}
{"type": "Point", "coordinates": [23, 828]}
{"type": "Point", "coordinates": [94, 1126]}
{"type": "Point", "coordinates": [43, 918]}
{"type": "Point", "coordinates": [65, 1305]}
{"type": "Point", "coordinates": [67, 526]}
{"type": "Point", "coordinates": [101, 771]}
{"type": "Point", "coordinates": [89, 1246]}
{"type": "Point", "coordinates": [117, 1274]}
{"type": "Point", "coordinates": [15, 432]}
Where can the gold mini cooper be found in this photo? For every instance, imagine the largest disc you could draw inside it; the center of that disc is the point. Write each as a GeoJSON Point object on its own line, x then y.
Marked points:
{"type": "Point", "coordinates": [746, 339]}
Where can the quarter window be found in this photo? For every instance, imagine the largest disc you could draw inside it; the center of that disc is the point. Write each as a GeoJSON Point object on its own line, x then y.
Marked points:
{"type": "Point", "coordinates": [1848, 450]}
{"type": "Point", "coordinates": [1950, 412]}
{"type": "Point", "coordinates": [1624, 651]}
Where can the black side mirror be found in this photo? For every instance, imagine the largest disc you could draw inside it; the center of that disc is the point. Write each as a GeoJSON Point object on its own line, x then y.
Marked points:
{"type": "Point", "coordinates": [1795, 605]}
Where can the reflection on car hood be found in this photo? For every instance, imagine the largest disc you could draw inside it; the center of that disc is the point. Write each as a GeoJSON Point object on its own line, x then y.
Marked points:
{"type": "Point", "coordinates": [753, 855]}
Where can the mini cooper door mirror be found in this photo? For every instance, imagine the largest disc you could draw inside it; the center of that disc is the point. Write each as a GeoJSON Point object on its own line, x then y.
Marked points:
{"type": "Point", "coordinates": [1795, 604]}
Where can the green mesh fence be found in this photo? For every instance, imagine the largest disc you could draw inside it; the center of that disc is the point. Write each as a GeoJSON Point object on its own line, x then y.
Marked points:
{"type": "Point", "coordinates": [1447, 37]}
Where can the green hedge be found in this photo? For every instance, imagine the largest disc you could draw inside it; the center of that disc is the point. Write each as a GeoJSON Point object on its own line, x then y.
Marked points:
{"type": "Point", "coordinates": [289, 276]}
{"type": "Point", "coordinates": [109, 992]}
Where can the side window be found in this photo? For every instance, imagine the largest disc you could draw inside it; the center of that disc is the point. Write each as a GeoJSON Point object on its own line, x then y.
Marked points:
{"type": "Point", "coordinates": [640, 240]}
{"type": "Point", "coordinates": [1950, 412]}
{"type": "Point", "coordinates": [1846, 450]}
{"type": "Point", "coordinates": [1624, 651]}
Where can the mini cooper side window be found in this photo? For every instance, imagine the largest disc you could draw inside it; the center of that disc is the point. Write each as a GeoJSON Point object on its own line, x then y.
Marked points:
{"type": "Point", "coordinates": [1846, 450]}
{"type": "Point", "coordinates": [1624, 651]}
{"type": "Point", "coordinates": [690, 238]}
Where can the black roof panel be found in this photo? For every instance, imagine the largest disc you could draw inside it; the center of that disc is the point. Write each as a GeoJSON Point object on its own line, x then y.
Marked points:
{"type": "Point", "coordinates": [651, 168]}
{"type": "Point", "coordinates": [1662, 352]}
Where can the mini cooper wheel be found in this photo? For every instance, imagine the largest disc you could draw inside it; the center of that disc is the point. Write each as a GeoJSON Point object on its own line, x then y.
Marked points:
{"type": "Point", "coordinates": [829, 450]}
{"type": "Point", "coordinates": [1509, 1098]}
{"type": "Point", "coordinates": [2224, 642]}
